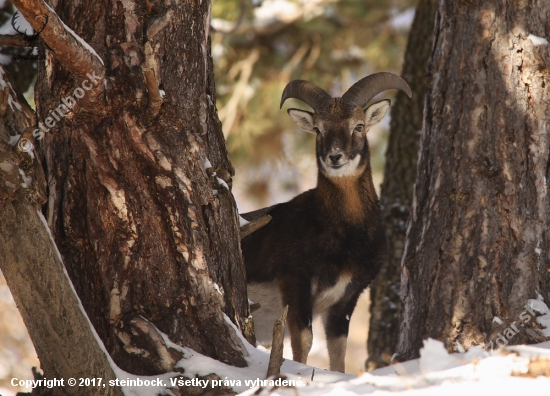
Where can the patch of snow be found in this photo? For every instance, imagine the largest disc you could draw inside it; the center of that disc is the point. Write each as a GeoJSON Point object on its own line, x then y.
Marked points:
{"type": "Point", "coordinates": [242, 221]}
{"type": "Point", "coordinates": [537, 40]}
{"type": "Point", "coordinates": [543, 320]}
{"type": "Point", "coordinates": [497, 320]}
{"type": "Point", "coordinates": [13, 103]}
{"type": "Point", "coordinates": [434, 357]}
{"type": "Point", "coordinates": [538, 251]}
{"type": "Point", "coordinates": [13, 140]}
{"type": "Point", "coordinates": [162, 93]}
{"type": "Point", "coordinates": [27, 181]}
{"type": "Point", "coordinates": [217, 288]}
{"type": "Point", "coordinates": [76, 36]}
{"type": "Point", "coordinates": [4, 391]}
{"type": "Point", "coordinates": [207, 164]}
{"type": "Point", "coordinates": [222, 182]}
{"type": "Point", "coordinates": [538, 305]}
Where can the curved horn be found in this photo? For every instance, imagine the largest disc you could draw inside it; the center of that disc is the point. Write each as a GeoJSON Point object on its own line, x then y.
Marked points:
{"type": "Point", "coordinates": [367, 88]}
{"type": "Point", "coordinates": [307, 92]}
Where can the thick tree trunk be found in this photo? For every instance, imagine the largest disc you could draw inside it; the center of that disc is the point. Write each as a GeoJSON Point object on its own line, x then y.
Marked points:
{"type": "Point", "coordinates": [147, 231]}
{"type": "Point", "coordinates": [59, 328]}
{"type": "Point", "coordinates": [397, 189]}
{"type": "Point", "coordinates": [477, 242]}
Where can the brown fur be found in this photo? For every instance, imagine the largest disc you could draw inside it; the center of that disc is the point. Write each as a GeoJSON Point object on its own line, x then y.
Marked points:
{"type": "Point", "coordinates": [322, 237]}
{"type": "Point", "coordinates": [352, 202]}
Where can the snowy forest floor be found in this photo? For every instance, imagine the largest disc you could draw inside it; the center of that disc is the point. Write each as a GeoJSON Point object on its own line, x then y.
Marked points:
{"type": "Point", "coordinates": [510, 370]}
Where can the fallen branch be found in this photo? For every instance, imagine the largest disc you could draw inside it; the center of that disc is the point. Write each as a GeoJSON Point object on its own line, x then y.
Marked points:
{"type": "Point", "coordinates": [254, 225]}
{"type": "Point", "coordinates": [276, 356]}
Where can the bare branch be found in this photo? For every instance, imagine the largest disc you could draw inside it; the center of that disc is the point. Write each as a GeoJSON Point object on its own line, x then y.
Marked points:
{"type": "Point", "coordinates": [254, 225]}
{"type": "Point", "coordinates": [276, 357]}
{"type": "Point", "coordinates": [228, 112]}
{"type": "Point", "coordinates": [12, 40]}
{"type": "Point", "coordinates": [68, 48]}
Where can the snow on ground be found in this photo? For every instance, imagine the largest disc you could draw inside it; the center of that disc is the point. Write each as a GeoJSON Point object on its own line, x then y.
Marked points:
{"type": "Point", "coordinates": [436, 372]}
{"type": "Point", "coordinates": [257, 359]}
{"type": "Point", "coordinates": [440, 373]}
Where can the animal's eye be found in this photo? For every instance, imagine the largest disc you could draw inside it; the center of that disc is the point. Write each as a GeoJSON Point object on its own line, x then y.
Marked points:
{"type": "Point", "coordinates": [317, 131]}
{"type": "Point", "coordinates": [359, 128]}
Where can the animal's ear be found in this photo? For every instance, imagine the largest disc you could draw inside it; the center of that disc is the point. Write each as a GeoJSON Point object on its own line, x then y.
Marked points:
{"type": "Point", "coordinates": [302, 118]}
{"type": "Point", "coordinates": [375, 112]}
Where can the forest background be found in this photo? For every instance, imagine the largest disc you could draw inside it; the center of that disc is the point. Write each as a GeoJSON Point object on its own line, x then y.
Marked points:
{"type": "Point", "coordinates": [257, 47]}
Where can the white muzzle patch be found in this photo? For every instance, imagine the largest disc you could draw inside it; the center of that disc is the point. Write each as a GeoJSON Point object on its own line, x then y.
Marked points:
{"type": "Point", "coordinates": [350, 168]}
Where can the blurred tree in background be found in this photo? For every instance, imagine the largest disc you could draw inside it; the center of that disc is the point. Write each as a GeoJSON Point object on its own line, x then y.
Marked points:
{"type": "Point", "coordinates": [397, 189]}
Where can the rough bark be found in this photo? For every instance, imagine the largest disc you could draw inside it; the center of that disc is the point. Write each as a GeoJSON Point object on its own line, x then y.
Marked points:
{"type": "Point", "coordinates": [149, 237]}
{"type": "Point", "coordinates": [397, 188]}
{"type": "Point", "coordinates": [59, 328]}
{"type": "Point", "coordinates": [477, 242]}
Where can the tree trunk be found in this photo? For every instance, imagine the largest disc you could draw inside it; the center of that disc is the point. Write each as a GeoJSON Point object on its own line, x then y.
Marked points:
{"type": "Point", "coordinates": [147, 231]}
{"type": "Point", "coordinates": [477, 242]}
{"type": "Point", "coordinates": [34, 272]}
{"type": "Point", "coordinates": [397, 189]}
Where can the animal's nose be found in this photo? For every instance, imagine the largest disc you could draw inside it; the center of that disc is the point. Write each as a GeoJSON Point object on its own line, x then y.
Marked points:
{"type": "Point", "coordinates": [335, 158]}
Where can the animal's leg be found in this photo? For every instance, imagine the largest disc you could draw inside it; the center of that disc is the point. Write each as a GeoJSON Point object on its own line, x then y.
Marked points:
{"type": "Point", "coordinates": [298, 298]}
{"type": "Point", "coordinates": [336, 322]}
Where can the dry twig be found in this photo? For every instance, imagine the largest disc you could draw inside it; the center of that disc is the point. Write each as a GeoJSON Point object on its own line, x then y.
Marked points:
{"type": "Point", "coordinates": [276, 357]}
{"type": "Point", "coordinates": [254, 225]}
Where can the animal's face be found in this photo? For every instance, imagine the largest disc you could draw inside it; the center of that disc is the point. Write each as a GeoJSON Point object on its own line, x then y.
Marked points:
{"type": "Point", "coordinates": [341, 128]}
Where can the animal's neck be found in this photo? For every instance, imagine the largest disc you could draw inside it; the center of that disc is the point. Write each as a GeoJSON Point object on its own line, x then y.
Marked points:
{"type": "Point", "coordinates": [349, 199]}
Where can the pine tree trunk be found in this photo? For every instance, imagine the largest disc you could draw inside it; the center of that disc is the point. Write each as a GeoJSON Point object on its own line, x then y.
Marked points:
{"type": "Point", "coordinates": [147, 231]}
{"type": "Point", "coordinates": [477, 243]}
{"type": "Point", "coordinates": [397, 189]}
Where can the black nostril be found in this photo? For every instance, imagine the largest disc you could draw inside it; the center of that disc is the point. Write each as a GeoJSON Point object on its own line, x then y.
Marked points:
{"type": "Point", "coordinates": [335, 158]}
